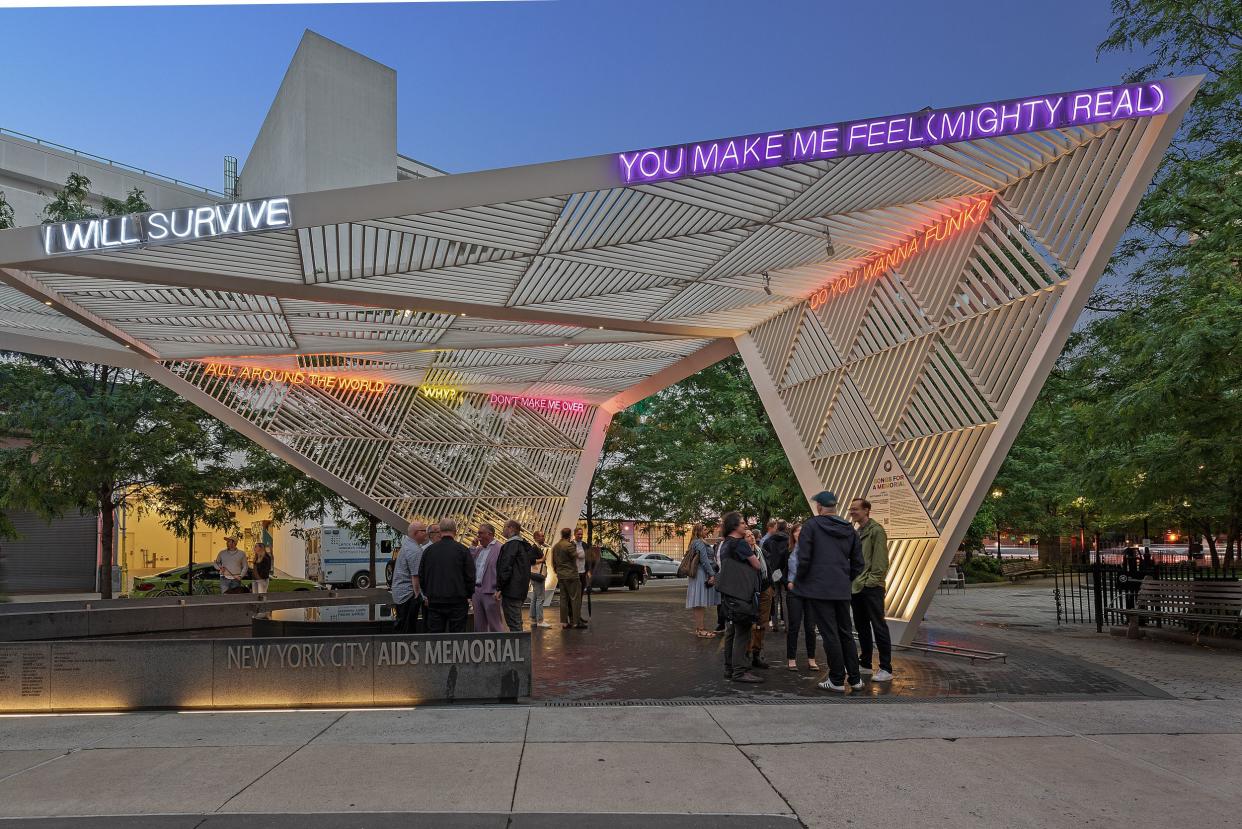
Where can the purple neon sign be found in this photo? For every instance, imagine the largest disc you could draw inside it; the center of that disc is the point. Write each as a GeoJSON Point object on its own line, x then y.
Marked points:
{"type": "Point", "coordinates": [894, 132]}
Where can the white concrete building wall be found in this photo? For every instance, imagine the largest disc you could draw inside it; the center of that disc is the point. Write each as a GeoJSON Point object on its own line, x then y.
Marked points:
{"type": "Point", "coordinates": [30, 172]}
{"type": "Point", "coordinates": [333, 124]}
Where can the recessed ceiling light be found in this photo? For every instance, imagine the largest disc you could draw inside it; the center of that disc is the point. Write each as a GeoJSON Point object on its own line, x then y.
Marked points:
{"type": "Point", "coordinates": [47, 302]}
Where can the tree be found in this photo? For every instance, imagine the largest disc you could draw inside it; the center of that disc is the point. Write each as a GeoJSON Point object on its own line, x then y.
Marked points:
{"type": "Point", "coordinates": [92, 438]}
{"type": "Point", "coordinates": [291, 496]}
{"type": "Point", "coordinates": [199, 486]}
{"type": "Point", "coordinates": [6, 213]}
{"type": "Point", "coordinates": [1141, 418]}
{"type": "Point", "coordinates": [694, 450]}
{"type": "Point", "coordinates": [1173, 356]}
{"type": "Point", "coordinates": [69, 203]}
{"type": "Point", "coordinates": [94, 435]}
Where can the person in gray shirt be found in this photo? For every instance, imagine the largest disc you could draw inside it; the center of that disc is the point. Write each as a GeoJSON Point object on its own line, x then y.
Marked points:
{"type": "Point", "coordinates": [406, 592]}
{"type": "Point", "coordinates": [231, 563]}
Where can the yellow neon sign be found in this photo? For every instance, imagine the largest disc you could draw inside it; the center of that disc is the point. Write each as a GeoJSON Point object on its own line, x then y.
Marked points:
{"type": "Point", "coordinates": [296, 377]}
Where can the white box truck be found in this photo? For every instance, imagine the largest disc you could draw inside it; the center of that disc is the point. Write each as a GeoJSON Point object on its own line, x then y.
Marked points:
{"type": "Point", "coordinates": [335, 556]}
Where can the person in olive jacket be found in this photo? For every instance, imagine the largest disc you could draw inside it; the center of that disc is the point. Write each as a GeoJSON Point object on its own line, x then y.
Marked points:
{"type": "Point", "coordinates": [829, 559]}
{"type": "Point", "coordinates": [565, 564]}
{"type": "Point", "coordinates": [868, 592]}
{"type": "Point", "coordinates": [513, 575]}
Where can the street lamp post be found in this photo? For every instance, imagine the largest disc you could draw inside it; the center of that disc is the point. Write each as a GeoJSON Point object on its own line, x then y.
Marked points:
{"type": "Point", "coordinates": [997, 494]}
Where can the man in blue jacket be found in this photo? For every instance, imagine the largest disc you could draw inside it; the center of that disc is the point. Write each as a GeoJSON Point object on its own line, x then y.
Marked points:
{"type": "Point", "coordinates": [829, 559]}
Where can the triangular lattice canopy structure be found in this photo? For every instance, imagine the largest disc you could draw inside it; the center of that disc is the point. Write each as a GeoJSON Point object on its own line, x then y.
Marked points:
{"type": "Point", "coordinates": [457, 345]}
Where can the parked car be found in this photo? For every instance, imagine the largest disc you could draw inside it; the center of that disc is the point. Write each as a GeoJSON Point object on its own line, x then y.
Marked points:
{"type": "Point", "coordinates": [659, 565]}
{"type": "Point", "coordinates": [615, 569]}
{"type": "Point", "coordinates": [207, 582]}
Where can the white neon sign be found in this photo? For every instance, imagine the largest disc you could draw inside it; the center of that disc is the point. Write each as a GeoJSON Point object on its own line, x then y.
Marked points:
{"type": "Point", "coordinates": [161, 227]}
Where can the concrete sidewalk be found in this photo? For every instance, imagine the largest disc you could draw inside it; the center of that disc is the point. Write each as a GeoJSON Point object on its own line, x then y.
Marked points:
{"type": "Point", "coordinates": [1046, 764]}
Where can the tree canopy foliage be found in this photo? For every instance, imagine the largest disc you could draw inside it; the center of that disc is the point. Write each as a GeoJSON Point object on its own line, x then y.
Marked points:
{"type": "Point", "coordinates": [1143, 416]}
{"type": "Point", "coordinates": [694, 450]}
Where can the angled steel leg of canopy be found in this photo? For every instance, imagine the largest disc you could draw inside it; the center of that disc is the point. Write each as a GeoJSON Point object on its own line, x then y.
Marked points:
{"type": "Point", "coordinates": [782, 423]}
{"type": "Point", "coordinates": [1113, 218]}
{"type": "Point", "coordinates": [910, 387]}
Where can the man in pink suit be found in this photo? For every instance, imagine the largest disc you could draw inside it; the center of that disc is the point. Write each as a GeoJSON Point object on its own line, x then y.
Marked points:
{"type": "Point", "coordinates": [487, 614]}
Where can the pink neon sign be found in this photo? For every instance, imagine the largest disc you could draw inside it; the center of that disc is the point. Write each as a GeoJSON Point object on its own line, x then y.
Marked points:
{"type": "Point", "coordinates": [543, 404]}
{"type": "Point", "coordinates": [894, 132]}
{"type": "Point", "coordinates": [972, 214]}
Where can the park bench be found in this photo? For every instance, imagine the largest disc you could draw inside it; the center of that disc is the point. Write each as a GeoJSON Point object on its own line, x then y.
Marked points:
{"type": "Point", "coordinates": [1027, 568]}
{"type": "Point", "coordinates": [1200, 605]}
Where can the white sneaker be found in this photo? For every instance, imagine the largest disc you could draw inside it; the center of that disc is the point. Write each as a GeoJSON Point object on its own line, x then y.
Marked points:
{"type": "Point", "coordinates": [829, 685]}
{"type": "Point", "coordinates": [882, 676]}
{"type": "Point", "coordinates": [543, 625]}
{"type": "Point", "coordinates": [866, 671]}
{"type": "Point", "coordinates": [857, 686]}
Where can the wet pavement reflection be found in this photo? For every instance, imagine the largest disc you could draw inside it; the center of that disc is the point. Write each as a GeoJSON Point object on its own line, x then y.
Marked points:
{"type": "Point", "coordinates": [641, 646]}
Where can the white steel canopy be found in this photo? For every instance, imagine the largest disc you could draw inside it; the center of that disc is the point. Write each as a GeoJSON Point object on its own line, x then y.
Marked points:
{"type": "Point", "coordinates": [895, 308]}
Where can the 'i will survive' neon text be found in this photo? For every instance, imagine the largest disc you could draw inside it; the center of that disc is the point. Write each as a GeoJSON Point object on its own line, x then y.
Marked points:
{"type": "Point", "coordinates": [160, 227]}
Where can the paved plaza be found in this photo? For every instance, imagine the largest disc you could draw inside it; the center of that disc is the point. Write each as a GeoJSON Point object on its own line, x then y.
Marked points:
{"type": "Point", "coordinates": [1073, 728]}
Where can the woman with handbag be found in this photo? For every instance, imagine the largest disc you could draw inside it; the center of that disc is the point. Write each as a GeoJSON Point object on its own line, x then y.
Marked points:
{"type": "Point", "coordinates": [738, 583]}
{"type": "Point", "coordinates": [700, 567]}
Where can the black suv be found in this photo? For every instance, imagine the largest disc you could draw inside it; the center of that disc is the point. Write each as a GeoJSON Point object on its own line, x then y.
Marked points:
{"type": "Point", "coordinates": [616, 570]}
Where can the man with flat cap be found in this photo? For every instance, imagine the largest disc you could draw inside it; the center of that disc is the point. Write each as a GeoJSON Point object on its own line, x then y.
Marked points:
{"type": "Point", "coordinates": [829, 559]}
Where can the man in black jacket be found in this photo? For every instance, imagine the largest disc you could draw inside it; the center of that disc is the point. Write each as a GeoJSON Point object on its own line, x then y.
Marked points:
{"type": "Point", "coordinates": [829, 559]}
{"type": "Point", "coordinates": [513, 575]}
{"type": "Point", "coordinates": [446, 575]}
{"type": "Point", "coordinates": [776, 554]}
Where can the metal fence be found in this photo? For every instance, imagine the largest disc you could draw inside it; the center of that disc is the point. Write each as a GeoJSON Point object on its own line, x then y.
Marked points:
{"type": "Point", "coordinates": [1094, 593]}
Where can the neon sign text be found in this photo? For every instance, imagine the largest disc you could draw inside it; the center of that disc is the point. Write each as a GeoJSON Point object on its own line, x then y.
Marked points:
{"type": "Point", "coordinates": [897, 132]}
{"type": "Point", "coordinates": [444, 394]}
{"type": "Point", "coordinates": [972, 214]}
{"type": "Point", "coordinates": [160, 227]}
{"type": "Point", "coordinates": [543, 404]}
{"type": "Point", "coordinates": [296, 377]}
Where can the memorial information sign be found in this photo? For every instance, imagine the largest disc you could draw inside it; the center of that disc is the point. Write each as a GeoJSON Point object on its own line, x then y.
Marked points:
{"type": "Point", "coordinates": [894, 503]}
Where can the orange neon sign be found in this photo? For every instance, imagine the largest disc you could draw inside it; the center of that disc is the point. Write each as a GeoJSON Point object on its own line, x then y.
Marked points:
{"type": "Point", "coordinates": [972, 214]}
{"type": "Point", "coordinates": [296, 377]}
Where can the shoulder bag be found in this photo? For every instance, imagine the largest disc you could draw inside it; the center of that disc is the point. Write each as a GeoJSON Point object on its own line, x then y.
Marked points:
{"type": "Point", "coordinates": [689, 567]}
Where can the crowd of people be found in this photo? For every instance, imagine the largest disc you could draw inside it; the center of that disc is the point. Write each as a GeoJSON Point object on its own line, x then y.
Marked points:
{"type": "Point", "coordinates": [827, 575]}
{"type": "Point", "coordinates": [438, 583]}
{"type": "Point", "coordinates": [824, 576]}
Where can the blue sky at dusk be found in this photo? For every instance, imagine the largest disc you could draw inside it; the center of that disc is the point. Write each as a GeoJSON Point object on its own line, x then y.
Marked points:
{"type": "Point", "coordinates": [493, 85]}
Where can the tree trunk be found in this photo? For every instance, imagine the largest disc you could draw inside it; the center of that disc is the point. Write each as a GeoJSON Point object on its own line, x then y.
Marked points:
{"type": "Point", "coordinates": [371, 530]}
{"type": "Point", "coordinates": [189, 570]}
{"type": "Point", "coordinates": [107, 520]}
{"type": "Point", "coordinates": [1211, 541]}
{"type": "Point", "coordinates": [590, 510]}
{"type": "Point", "coordinates": [1050, 553]}
{"type": "Point", "coordinates": [1231, 540]}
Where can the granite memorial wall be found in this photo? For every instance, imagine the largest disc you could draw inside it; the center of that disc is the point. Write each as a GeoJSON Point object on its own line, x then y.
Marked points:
{"type": "Point", "coordinates": [121, 675]}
